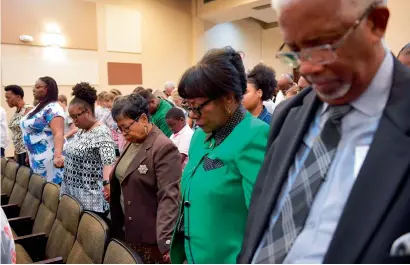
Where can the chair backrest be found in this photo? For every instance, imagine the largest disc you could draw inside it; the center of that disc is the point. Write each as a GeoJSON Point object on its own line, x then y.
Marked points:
{"type": "Point", "coordinates": [9, 177]}
{"type": "Point", "coordinates": [64, 231]}
{"type": "Point", "coordinates": [47, 211]}
{"type": "Point", "coordinates": [120, 253]}
{"type": "Point", "coordinates": [91, 241]}
{"type": "Point", "coordinates": [21, 186]}
{"type": "Point", "coordinates": [33, 196]}
{"type": "Point", "coordinates": [3, 166]}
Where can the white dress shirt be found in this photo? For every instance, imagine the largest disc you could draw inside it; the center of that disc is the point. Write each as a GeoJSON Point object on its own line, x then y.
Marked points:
{"type": "Point", "coordinates": [182, 140]}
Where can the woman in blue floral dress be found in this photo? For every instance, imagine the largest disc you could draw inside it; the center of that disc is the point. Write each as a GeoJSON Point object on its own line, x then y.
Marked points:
{"type": "Point", "coordinates": [43, 132]}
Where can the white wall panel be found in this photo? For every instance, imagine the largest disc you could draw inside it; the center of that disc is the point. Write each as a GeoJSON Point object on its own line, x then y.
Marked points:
{"type": "Point", "coordinates": [123, 29]}
{"type": "Point", "coordinates": [23, 65]}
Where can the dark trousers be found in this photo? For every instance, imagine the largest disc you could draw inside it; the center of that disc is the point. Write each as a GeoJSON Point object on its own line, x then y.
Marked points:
{"type": "Point", "coordinates": [2, 152]}
{"type": "Point", "coordinates": [21, 159]}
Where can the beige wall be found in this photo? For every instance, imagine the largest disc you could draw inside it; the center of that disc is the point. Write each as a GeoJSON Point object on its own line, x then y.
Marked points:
{"type": "Point", "coordinates": [166, 46]}
{"type": "Point", "coordinates": [258, 44]}
{"type": "Point", "coordinates": [173, 38]}
{"type": "Point", "coordinates": [76, 20]}
{"type": "Point", "coordinates": [398, 33]}
{"type": "Point", "coordinates": [242, 35]}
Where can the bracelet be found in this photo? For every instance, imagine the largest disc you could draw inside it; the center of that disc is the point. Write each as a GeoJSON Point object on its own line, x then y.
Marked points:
{"type": "Point", "coordinates": [106, 182]}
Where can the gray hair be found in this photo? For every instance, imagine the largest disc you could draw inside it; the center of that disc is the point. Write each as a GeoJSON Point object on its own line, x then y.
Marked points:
{"type": "Point", "coordinates": [405, 50]}
{"type": "Point", "coordinates": [289, 77]}
{"type": "Point", "coordinates": [359, 5]}
{"type": "Point", "coordinates": [169, 84]}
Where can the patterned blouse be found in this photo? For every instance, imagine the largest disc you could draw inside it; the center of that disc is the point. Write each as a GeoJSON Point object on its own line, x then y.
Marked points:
{"type": "Point", "coordinates": [14, 126]}
{"type": "Point", "coordinates": [85, 156]}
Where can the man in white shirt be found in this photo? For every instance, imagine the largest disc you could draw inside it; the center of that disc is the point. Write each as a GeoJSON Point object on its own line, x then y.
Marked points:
{"type": "Point", "coordinates": [4, 134]}
{"type": "Point", "coordinates": [182, 133]}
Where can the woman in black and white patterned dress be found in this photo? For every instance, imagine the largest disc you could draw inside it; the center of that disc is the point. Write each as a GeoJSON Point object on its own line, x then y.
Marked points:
{"type": "Point", "coordinates": [90, 155]}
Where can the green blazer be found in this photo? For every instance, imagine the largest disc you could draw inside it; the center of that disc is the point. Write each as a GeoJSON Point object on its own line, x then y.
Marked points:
{"type": "Point", "coordinates": [215, 202]}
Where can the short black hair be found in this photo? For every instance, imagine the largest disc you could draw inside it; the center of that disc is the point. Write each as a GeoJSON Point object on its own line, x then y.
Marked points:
{"type": "Point", "coordinates": [85, 95]}
{"type": "Point", "coordinates": [219, 73]}
{"type": "Point", "coordinates": [15, 89]}
{"type": "Point", "coordinates": [263, 77]}
{"type": "Point", "coordinates": [405, 50]}
{"type": "Point", "coordinates": [131, 106]}
{"type": "Point", "coordinates": [175, 113]}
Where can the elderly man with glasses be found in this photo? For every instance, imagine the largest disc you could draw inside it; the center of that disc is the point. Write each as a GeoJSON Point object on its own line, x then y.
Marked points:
{"type": "Point", "coordinates": [334, 187]}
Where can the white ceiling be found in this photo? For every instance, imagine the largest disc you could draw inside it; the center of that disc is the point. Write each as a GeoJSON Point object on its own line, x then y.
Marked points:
{"type": "Point", "coordinates": [266, 15]}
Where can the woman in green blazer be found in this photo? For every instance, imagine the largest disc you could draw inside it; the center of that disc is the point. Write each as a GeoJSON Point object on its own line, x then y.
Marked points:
{"type": "Point", "coordinates": [225, 156]}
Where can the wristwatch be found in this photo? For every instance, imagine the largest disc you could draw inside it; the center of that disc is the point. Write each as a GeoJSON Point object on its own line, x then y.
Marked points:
{"type": "Point", "coordinates": [106, 182]}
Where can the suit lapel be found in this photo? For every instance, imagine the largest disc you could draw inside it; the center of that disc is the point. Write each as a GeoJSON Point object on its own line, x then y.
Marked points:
{"type": "Point", "coordinates": [379, 179]}
{"type": "Point", "coordinates": [279, 159]}
{"type": "Point", "coordinates": [142, 154]}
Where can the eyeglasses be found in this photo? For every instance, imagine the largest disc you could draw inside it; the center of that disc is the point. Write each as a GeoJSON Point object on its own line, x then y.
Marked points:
{"type": "Point", "coordinates": [324, 54]}
{"type": "Point", "coordinates": [195, 110]}
{"type": "Point", "coordinates": [75, 116]}
{"type": "Point", "coordinates": [126, 129]}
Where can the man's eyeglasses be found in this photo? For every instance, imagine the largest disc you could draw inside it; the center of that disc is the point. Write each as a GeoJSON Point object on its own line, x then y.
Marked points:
{"type": "Point", "coordinates": [126, 129]}
{"type": "Point", "coordinates": [75, 116]}
{"type": "Point", "coordinates": [324, 54]}
{"type": "Point", "coordinates": [195, 110]}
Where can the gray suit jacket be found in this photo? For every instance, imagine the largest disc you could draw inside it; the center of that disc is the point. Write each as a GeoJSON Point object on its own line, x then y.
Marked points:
{"type": "Point", "coordinates": [377, 211]}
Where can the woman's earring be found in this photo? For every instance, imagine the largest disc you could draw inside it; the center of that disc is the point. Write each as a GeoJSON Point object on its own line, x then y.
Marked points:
{"type": "Point", "coordinates": [228, 110]}
{"type": "Point", "coordinates": [146, 130]}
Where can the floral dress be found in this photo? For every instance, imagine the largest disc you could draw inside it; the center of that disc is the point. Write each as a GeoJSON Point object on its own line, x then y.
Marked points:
{"type": "Point", "coordinates": [39, 140]}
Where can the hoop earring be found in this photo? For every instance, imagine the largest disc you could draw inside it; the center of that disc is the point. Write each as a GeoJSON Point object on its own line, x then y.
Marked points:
{"type": "Point", "coordinates": [146, 129]}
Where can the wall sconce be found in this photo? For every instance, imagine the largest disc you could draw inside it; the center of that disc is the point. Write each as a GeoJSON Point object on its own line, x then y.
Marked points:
{"type": "Point", "coordinates": [52, 36]}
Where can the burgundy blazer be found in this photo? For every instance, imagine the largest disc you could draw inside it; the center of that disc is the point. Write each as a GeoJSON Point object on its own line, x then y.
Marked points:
{"type": "Point", "coordinates": [151, 193]}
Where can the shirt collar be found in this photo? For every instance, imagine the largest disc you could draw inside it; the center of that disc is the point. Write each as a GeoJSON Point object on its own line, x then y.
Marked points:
{"type": "Point", "coordinates": [374, 99]}
{"type": "Point", "coordinates": [225, 130]}
{"type": "Point", "coordinates": [186, 127]}
{"type": "Point", "coordinates": [263, 114]}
